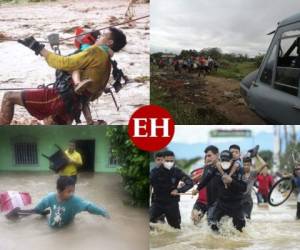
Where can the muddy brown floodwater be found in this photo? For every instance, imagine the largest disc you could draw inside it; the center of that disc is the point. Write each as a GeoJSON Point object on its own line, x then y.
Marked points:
{"type": "Point", "coordinates": [270, 228]}
{"type": "Point", "coordinates": [128, 228]}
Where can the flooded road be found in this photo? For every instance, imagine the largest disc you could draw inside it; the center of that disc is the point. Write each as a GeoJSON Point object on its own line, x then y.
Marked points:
{"type": "Point", "coordinates": [126, 230]}
{"type": "Point", "coordinates": [270, 228]}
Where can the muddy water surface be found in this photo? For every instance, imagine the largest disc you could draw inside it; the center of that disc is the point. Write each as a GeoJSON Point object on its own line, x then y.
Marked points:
{"type": "Point", "coordinates": [270, 228]}
{"type": "Point", "coordinates": [126, 230]}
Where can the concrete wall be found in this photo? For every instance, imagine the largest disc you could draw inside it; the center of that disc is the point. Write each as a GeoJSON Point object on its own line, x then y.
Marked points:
{"type": "Point", "coordinates": [46, 137]}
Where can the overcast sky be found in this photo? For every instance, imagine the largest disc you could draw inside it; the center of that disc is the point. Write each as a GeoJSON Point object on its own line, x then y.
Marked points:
{"type": "Point", "coordinates": [190, 134]}
{"type": "Point", "coordinates": [238, 26]}
{"type": "Point", "coordinates": [190, 141]}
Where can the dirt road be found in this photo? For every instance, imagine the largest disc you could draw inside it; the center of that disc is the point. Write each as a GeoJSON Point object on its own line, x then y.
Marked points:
{"type": "Point", "coordinates": [212, 100]}
{"type": "Point", "coordinates": [224, 95]}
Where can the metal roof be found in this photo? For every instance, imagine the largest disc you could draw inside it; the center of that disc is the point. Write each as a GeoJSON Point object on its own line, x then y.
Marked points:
{"type": "Point", "coordinates": [292, 19]}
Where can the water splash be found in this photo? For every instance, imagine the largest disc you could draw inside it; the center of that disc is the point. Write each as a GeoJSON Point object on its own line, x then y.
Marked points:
{"type": "Point", "coordinates": [270, 228]}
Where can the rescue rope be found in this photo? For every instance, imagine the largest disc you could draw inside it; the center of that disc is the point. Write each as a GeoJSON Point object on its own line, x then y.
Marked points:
{"type": "Point", "coordinates": [9, 89]}
{"type": "Point", "coordinates": [72, 37]}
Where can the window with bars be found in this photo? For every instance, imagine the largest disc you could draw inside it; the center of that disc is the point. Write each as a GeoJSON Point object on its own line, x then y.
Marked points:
{"type": "Point", "coordinates": [25, 153]}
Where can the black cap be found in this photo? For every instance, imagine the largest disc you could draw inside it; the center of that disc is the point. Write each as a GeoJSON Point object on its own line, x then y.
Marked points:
{"type": "Point", "coordinates": [226, 155]}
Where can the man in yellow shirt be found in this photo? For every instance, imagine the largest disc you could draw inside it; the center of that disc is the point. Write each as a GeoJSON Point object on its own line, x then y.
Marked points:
{"type": "Point", "coordinates": [75, 161]}
{"type": "Point", "coordinates": [61, 103]}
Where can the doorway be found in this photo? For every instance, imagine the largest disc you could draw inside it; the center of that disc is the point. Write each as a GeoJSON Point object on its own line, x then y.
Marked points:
{"type": "Point", "coordinates": [87, 150]}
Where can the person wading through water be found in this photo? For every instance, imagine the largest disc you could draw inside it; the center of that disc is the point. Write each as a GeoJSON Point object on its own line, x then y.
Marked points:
{"type": "Point", "coordinates": [60, 104]}
{"type": "Point", "coordinates": [75, 161]}
{"type": "Point", "coordinates": [230, 193]}
{"type": "Point", "coordinates": [166, 194]}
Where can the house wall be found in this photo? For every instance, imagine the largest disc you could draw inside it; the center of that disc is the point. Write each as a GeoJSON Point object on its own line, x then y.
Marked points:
{"type": "Point", "coordinates": [46, 137]}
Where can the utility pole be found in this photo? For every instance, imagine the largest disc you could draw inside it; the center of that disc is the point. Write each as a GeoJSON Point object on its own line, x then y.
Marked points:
{"type": "Point", "coordinates": [277, 148]}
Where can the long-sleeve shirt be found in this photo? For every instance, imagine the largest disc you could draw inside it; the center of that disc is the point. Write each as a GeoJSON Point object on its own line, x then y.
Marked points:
{"type": "Point", "coordinates": [71, 169]}
{"type": "Point", "coordinates": [233, 192]}
{"type": "Point", "coordinates": [62, 213]}
{"type": "Point", "coordinates": [93, 63]}
{"type": "Point", "coordinates": [264, 184]}
{"type": "Point", "coordinates": [164, 181]}
{"type": "Point", "coordinates": [250, 180]}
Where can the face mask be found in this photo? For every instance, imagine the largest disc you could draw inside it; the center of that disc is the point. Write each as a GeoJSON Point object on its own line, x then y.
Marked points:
{"type": "Point", "coordinates": [225, 165]}
{"type": "Point", "coordinates": [168, 165]}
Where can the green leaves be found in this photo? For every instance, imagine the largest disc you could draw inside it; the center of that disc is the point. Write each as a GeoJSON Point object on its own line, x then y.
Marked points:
{"type": "Point", "coordinates": [134, 165]}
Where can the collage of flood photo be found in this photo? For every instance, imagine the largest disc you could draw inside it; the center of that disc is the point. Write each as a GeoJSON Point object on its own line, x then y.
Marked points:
{"type": "Point", "coordinates": [149, 124]}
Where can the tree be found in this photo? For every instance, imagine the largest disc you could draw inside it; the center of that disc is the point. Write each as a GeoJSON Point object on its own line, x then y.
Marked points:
{"type": "Point", "coordinates": [267, 155]}
{"type": "Point", "coordinates": [258, 60]}
{"type": "Point", "coordinates": [215, 53]}
{"type": "Point", "coordinates": [134, 165]}
{"type": "Point", "coordinates": [185, 164]}
{"type": "Point", "coordinates": [287, 160]}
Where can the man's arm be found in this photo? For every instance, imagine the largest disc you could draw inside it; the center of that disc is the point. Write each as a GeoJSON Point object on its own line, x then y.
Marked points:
{"type": "Point", "coordinates": [188, 182]}
{"type": "Point", "coordinates": [78, 160]}
{"type": "Point", "coordinates": [93, 209]}
{"type": "Point", "coordinates": [208, 174]}
{"type": "Point", "coordinates": [67, 63]}
{"type": "Point", "coordinates": [90, 207]}
{"type": "Point", "coordinates": [153, 179]}
{"type": "Point", "coordinates": [262, 163]}
{"type": "Point", "coordinates": [42, 205]}
{"type": "Point", "coordinates": [236, 185]}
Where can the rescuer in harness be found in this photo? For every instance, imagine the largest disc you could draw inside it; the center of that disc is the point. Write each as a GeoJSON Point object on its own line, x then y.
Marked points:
{"type": "Point", "coordinates": [60, 104]}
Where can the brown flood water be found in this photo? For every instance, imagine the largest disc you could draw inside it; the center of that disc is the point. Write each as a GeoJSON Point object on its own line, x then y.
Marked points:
{"type": "Point", "coordinates": [272, 228]}
{"type": "Point", "coordinates": [128, 228]}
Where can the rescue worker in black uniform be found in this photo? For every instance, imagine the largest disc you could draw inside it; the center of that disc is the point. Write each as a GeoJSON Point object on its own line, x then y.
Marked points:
{"type": "Point", "coordinates": [165, 197]}
{"type": "Point", "coordinates": [229, 196]}
{"type": "Point", "coordinates": [211, 159]}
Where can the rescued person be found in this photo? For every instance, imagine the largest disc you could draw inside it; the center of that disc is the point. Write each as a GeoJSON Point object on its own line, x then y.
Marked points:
{"type": "Point", "coordinates": [230, 197]}
{"type": "Point", "coordinates": [60, 104]}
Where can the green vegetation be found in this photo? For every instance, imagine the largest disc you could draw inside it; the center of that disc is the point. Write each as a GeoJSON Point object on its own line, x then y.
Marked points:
{"type": "Point", "coordinates": [186, 113]}
{"type": "Point", "coordinates": [185, 164]}
{"type": "Point", "coordinates": [192, 112]}
{"type": "Point", "coordinates": [134, 165]}
{"type": "Point", "coordinates": [267, 155]}
{"type": "Point", "coordinates": [231, 65]}
{"type": "Point", "coordinates": [235, 70]}
{"type": "Point", "coordinates": [287, 163]}
{"type": "Point", "coordinates": [236, 66]}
